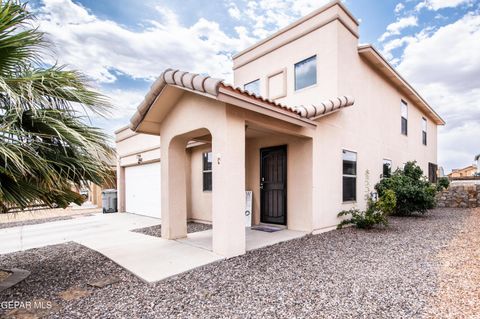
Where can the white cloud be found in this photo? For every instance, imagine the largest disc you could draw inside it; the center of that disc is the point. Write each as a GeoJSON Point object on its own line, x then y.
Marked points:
{"type": "Point", "coordinates": [445, 66]}
{"type": "Point", "coordinates": [399, 7]}
{"type": "Point", "coordinates": [267, 16]}
{"type": "Point", "coordinates": [395, 27]}
{"type": "Point", "coordinates": [234, 11]}
{"type": "Point", "coordinates": [440, 4]}
{"type": "Point", "coordinates": [98, 46]}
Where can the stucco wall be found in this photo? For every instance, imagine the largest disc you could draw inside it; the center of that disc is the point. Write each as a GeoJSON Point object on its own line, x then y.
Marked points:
{"type": "Point", "coordinates": [299, 177]}
{"type": "Point", "coordinates": [371, 127]}
{"type": "Point", "coordinates": [201, 201]}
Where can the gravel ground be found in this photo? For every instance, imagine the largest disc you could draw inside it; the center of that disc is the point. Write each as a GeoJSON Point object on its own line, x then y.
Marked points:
{"type": "Point", "coordinates": [386, 273]}
{"type": "Point", "coordinates": [459, 276]}
{"type": "Point", "coordinates": [156, 230]}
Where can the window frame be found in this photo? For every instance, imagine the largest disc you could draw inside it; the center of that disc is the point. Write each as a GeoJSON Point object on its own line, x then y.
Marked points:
{"type": "Point", "coordinates": [251, 82]}
{"type": "Point", "coordinates": [402, 118]}
{"type": "Point", "coordinates": [383, 167]}
{"type": "Point", "coordinates": [207, 171]}
{"type": "Point", "coordinates": [424, 131]}
{"type": "Point", "coordinates": [354, 176]}
{"type": "Point", "coordinates": [295, 74]}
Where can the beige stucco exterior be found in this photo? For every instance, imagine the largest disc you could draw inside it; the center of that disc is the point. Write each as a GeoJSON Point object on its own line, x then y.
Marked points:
{"type": "Point", "coordinates": [235, 126]}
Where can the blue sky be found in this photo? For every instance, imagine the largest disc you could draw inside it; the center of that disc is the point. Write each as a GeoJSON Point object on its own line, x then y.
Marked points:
{"type": "Point", "coordinates": [123, 45]}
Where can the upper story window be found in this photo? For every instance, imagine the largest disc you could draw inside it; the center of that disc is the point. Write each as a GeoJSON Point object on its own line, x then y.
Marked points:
{"type": "Point", "coordinates": [253, 87]}
{"type": "Point", "coordinates": [306, 73]}
{"type": "Point", "coordinates": [387, 168]}
{"type": "Point", "coordinates": [349, 178]}
{"type": "Point", "coordinates": [404, 110]}
{"type": "Point", "coordinates": [424, 131]}
{"type": "Point", "coordinates": [207, 171]}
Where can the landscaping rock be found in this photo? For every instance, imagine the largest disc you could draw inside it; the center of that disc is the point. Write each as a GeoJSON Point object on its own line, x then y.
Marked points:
{"type": "Point", "coordinates": [73, 293]}
{"type": "Point", "coordinates": [463, 196]}
{"type": "Point", "coordinates": [192, 227]}
{"type": "Point", "coordinates": [348, 273]}
{"type": "Point", "coordinates": [103, 282]}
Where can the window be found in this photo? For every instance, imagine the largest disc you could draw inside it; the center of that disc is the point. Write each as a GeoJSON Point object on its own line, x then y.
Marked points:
{"type": "Point", "coordinates": [207, 171]}
{"type": "Point", "coordinates": [306, 73]}
{"type": "Point", "coordinates": [432, 173]}
{"type": "Point", "coordinates": [387, 168]}
{"type": "Point", "coordinates": [404, 110]}
{"type": "Point", "coordinates": [424, 131]}
{"type": "Point", "coordinates": [349, 176]}
{"type": "Point", "coordinates": [253, 87]}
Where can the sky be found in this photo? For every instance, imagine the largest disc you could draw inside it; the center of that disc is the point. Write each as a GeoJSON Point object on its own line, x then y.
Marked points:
{"type": "Point", "coordinates": [123, 45]}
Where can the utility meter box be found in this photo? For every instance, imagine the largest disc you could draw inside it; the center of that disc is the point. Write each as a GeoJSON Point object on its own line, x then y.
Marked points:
{"type": "Point", "coordinates": [248, 208]}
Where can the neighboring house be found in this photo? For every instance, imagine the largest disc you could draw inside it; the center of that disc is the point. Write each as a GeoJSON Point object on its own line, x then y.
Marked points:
{"type": "Point", "coordinates": [468, 171]}
{"type": "Point", "coordinates": [309, 113]}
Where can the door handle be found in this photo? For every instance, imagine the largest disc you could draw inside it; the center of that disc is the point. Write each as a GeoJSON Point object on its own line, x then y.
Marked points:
{"type": "Point", "coordinates": [261, 185]}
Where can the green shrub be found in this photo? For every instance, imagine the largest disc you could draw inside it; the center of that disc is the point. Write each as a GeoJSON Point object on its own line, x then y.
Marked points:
{"type": "Point", "coordinates": [387, 202]}
{"type": "Point", "coordinates": [363, 219]}
{"type": "Point", "coordinates": [412, 190]}
{"type": "Point", "coordinates": [442, 183]}
{"type": "Point", "coordinates": [375, 214]}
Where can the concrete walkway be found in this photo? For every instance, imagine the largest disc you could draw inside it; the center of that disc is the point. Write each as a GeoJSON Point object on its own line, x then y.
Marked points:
{"type": "Point", "coordinates": [150, 258]}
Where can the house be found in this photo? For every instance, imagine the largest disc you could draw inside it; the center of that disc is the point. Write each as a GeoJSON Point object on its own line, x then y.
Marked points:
{"type": "Point", "coordinates": [468, 171]}
{"type": "Point", "coordinates": [309, 114]}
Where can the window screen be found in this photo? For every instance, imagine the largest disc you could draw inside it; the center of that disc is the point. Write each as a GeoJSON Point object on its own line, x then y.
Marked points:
{"type": "Point", "coordinates": [207, 171]}
{"type": "Point", "coordinates": [253, 87]}
{"type": "Point", "coordinates": [424, 131]}
{"type": "Point", "coordinates": [306, 73]}
{"type": "Point", "coordinates": [349, 176]}
{"type": "Point", "coordinates": [404, 110]}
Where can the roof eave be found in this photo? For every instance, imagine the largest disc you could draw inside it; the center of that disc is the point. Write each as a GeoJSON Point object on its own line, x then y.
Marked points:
{"type": "Point", "coordinates": [369, 48]}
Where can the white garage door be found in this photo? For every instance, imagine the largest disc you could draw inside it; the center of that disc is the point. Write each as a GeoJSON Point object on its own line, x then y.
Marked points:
{"type": "Point", "coordinates": [142, 189]}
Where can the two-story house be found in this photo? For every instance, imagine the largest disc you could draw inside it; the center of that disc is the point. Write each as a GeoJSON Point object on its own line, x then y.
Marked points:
{"type": "Point", "coordinates": [311, 120]}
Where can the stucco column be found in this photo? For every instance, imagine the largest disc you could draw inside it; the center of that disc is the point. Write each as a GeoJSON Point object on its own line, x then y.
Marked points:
{"type": "Point", "coordinates": [120, 188]}
{"type": "Point", "coordinates": [228, 193]}
{"type": "Point", "coordinates": [174, 188]}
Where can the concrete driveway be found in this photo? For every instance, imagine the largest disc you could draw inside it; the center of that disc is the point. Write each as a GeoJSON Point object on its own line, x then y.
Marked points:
{"type": "Point", "coordinates": [150, 258]}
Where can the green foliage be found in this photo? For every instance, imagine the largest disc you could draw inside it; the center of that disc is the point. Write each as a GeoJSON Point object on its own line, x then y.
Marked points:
{"type": "Point", "coordinates": [442, 183]}
{"type": "Point", "coordinates": [363, 219]}
{"type": "Point", "coordinates": [387, 202]}
{"type": "Point", "coordinates": [46, 149]}
{"type": "Point", "coordinates": [376, 212]}
{"type": "Point", "coordinates": [412, 190]}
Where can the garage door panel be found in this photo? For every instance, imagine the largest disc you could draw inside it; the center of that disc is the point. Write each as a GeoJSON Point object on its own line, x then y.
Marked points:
{"type": "Point", "coordinates": [142, 189]}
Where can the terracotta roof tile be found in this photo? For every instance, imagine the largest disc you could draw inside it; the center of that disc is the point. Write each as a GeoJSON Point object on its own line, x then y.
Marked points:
{"type": "Point", "coordinates": [211, 86]}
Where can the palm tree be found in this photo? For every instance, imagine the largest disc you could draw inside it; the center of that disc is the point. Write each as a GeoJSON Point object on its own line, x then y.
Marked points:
{"type": "Point", "coordinates": [46, 147]}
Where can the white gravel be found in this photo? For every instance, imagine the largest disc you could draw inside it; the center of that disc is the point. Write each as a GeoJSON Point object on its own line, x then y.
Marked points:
{"type": "Point", "coordinates": [391, 273]}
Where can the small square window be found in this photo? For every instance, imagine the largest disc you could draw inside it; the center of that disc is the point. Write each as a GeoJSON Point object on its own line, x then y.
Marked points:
{"type": "Point", "coordinates": [207, 171]}
{"type": "Point", "coordinates": [253, 87]}
{"type": "Point", "coordinates": [306, 73]}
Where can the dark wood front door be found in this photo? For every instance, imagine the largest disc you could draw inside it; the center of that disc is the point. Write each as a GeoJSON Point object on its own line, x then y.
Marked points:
{"type": "Point", "coordinates": [273, 185]}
